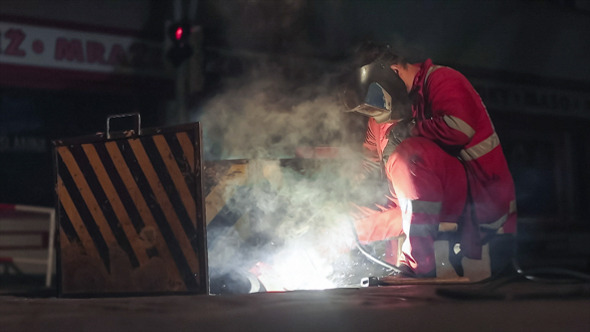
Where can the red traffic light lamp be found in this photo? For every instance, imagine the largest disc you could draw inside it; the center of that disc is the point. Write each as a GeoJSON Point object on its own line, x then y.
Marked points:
{"type": "Point", "coordinates": [179, 36]}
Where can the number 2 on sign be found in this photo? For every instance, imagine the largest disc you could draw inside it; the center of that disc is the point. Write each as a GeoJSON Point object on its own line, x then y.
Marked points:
{"type": "Point", "coordinates": [15, 38]}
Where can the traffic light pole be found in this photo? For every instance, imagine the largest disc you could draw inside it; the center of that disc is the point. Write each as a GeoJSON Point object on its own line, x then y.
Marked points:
{"type": "Point", "coordinates": [184, 55]}
{"type": "Point", "coordinates": [181, 92]}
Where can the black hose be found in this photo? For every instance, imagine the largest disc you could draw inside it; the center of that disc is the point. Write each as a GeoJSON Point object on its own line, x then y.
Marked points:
{"type": "Point", "coordinates": [533, 274]}
{"type": "Point", "coordinates": [371, 257]}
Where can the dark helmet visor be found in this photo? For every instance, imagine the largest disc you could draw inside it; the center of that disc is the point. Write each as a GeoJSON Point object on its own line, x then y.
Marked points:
{"type": "Point", "coordinates": [377, 103]}
{"type": "Point", "coordinates": [369, 92]}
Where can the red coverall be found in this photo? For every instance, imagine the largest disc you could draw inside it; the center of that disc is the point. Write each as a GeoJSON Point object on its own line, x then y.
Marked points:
{"type": "Point", "coordinates": [450, 171]}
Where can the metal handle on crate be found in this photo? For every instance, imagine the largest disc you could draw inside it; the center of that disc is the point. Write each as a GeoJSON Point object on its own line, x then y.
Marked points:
{"type": "Point", "coordinates": [137, 122]}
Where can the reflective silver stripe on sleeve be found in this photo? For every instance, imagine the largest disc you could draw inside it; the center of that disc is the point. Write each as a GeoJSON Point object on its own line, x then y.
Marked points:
{"type": "Point", "coordinates": [430, 70]}
{"type": "Point", "coordinates": [512, 208]}
{"type": "Point", "coordinates": [447, 227]}
{"type": "Point", "coordinates": [496, 225]}
{"type": "Point", "coordinates": [423, 230]}
{"type": "Point", "coordinates": [459, 125]}
{"type": "Point", "coordinates": [481, 148]}
{"type": "Point", "coordinates": [426, 207]}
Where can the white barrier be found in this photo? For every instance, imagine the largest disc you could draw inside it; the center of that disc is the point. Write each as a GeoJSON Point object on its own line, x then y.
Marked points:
{"type": "Point", "coordinates": [13, 211]}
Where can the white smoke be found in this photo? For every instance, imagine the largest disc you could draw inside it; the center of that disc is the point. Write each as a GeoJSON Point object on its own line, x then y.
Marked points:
{"type": "Point", "coordinates": [265, 116]}
{"type": "Point", "coordinates": [295, 209]}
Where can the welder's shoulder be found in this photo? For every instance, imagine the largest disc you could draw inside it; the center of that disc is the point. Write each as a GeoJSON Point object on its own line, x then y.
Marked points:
{"type": "Point", "coordinates": [442, 73]}
{"type": "Point", "coordinates": [444, 77]}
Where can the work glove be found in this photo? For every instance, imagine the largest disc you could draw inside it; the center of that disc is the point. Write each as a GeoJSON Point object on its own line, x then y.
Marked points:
{"type": "Point", "coordinates": [398, 133]}
{"type": "Point", "coordinates": [401, 131]}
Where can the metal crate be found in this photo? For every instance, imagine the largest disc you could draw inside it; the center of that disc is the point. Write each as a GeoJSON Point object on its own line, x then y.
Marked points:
{"type": "Point", "coordinates": [131, 212]}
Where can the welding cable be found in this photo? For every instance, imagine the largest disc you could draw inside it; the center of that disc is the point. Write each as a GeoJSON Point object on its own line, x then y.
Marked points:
{"type": "Point", "coordinates": [490, 289]}
{"type": "Point", "coordinates": [533, 274]}
{"type": "Point", "coordinates": [372, 258]}
{"type": "Point", "coordinates": [377, 260]}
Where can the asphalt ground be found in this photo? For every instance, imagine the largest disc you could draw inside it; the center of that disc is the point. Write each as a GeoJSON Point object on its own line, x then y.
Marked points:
{"type": "Point", "coordinates": [507, 305]}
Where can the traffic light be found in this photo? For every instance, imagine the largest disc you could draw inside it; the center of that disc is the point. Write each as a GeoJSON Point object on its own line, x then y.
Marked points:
{"type": "Point", "coordinates": [179, 36]}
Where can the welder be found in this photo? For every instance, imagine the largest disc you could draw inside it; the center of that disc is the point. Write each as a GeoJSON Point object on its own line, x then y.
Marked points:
{"type": "Point", "coordinates": [430, 136]}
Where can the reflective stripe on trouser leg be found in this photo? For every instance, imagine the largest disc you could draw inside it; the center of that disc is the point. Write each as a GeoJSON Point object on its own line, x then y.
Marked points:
{"type": "Point", "coordinates": [424, 177]}
{"type": "Point", "coordinates": [420, 224]}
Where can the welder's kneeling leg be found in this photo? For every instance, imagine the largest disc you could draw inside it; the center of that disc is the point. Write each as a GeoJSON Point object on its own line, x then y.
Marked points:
{"type": "Point", "coordinates": [431, 188]}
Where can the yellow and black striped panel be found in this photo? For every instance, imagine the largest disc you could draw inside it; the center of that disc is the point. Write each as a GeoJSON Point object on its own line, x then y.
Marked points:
{"type": "Point", "coordinates": [222, 181]}
{"type": "Point", "coordinates": [130, 215]}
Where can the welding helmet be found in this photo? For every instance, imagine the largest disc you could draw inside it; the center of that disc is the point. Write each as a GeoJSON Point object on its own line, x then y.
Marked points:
{"type": "Point", "coordinates": [377, 91]}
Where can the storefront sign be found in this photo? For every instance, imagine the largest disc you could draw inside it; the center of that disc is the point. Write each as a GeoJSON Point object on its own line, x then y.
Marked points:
{"type": "Point", "coordinates": [58, 48]}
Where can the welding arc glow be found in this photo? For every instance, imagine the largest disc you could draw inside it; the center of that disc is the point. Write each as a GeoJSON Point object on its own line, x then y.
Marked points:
{"type": "Point", "coordinates": [307, 262]}
{"type": "Point", "coordinates": [297, 268]}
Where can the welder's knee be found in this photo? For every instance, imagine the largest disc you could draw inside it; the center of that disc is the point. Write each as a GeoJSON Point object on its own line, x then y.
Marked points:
{"type": "Point", "coordinates": [421, 168]}
{"type": "Point", "coordinates": [418, 153]}
{"type": "Point", "coordinates": [414, 148]}
{"type": "Point", "coordinates": [413, 170]}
